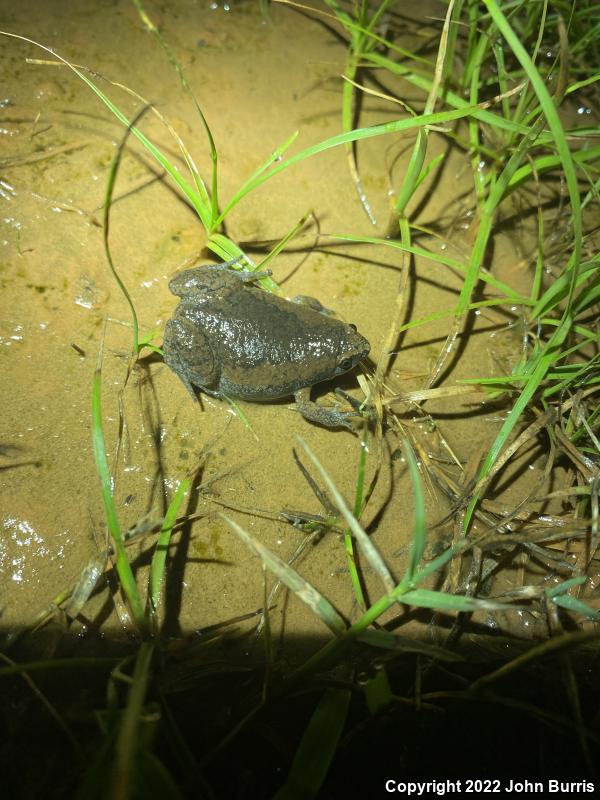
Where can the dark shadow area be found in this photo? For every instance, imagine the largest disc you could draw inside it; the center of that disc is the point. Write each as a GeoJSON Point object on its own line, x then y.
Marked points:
{"type": "Point", "coordinates": [205, 718]}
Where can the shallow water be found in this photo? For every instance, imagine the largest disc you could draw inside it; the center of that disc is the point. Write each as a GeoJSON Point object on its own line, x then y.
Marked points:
{"type": "Point", "coordinates": [258, 80]}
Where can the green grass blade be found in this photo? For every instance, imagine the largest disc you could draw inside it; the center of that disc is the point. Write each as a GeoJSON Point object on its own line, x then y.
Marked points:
{"type": "Point", "coordinates": [317, 747]}
{"type": "Point", "coordinates": [110, 185]}
{"type": "Point", "coordinates": [159, 557]}
{"type": "Point", "coordinates": [414, 171]}
{"type": "Point", "coordinates": [551, 115]}
{"type": "Point", "coordinates": [123, 567]}
{"type": "Point", "coordinates": [378, 692]}
{"type": "Point", "coordinates": [364, 542]}
{"type": "Point", "coordinates": [301, 588]}
{"type": "Point", "coordinates": [577, 606]}
{"type": "Point", "coordinates": [124, 768]}
{"type": "Point", "coordinates": [214, 201]}
{"type": "Point", "coordinates": [454, 100]}
{"type": "Point", "coordinates": [189, 191]}
{"type": "Point", "coordinates": [396, 126]}
{"type": "Point", "coordinates": [433, 566]}
{"type": "Point", "coordinates": [93, 663]}
{"type": "Point", "coordinates": [560, 288]}
{"type": "Point", "coordinates": [554, 591]}
{"type": "Point", "coordinates": [249, 184]}
{"type": "Point", "coordinates": [537, 376]}
{"type": "Point", "coordinates": [512, 296]}
{"type": "Point", "coordinates": [281, 244]}
{"type": "Point", "coordinates": [548, 162]}
{"type": "Point", "coordinates": [441, 601]}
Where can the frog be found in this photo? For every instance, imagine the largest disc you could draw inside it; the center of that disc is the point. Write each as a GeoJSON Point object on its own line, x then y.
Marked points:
{"type": "Point", "coordinates": [230, 338]}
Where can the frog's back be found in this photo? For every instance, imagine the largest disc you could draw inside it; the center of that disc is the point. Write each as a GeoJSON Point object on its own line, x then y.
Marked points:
{"type": "Point", "coordinates": [269, 347]}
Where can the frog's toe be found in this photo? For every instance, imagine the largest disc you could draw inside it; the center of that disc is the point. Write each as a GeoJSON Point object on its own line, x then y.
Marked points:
{"type": "Point", "coordinates": [249, 276]}
{"type": "Point", "coordinates": [362, 409]}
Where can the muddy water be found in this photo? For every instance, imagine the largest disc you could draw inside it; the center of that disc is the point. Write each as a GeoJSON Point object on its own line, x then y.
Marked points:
{"type": "Point", "coordinates": [258, 80]}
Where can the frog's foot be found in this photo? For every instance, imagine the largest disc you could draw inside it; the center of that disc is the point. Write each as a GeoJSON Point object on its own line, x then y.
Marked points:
{"type": "Point", "coordinates": [361, 407]}
{"type": "Point", "coordinates": [192, 388]}
{"type": "Point", "coordinates": [247, 275]}
{"type": "Point", "coordinates": [196, 390]}
{"type": "Point", "coordinates": [329, 417]}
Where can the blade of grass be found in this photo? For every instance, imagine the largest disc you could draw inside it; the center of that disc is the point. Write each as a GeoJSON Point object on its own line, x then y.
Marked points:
{"type": "Point", "coordinates": [189, 191]}
{"type": "Point", "coordinates": [414, 170]}
{"type": "Point", "coordinates": [127, 743]}
{"type": "Point", "coordinates": [123, 567]}
{"type": "Point", "coordinates": [110, 185]}
{"type": "Point", "coordinates": [274, 157]}
{"type": "Point", "coordinates": [512, 296]}
{"type": "Point", "coordinates": [159, 557]}
{"type": "Point", "coordinates": [542, 363]}
{"type": "Point", "coordinates": [397, 126]}
{"type": "Point", "coordinates": [364, 542]}
{"type": "Point", "coordinates": [307, 593]}
{"type": "Point", "coordinates": [317, 747]}
{"type": "Point", "coordinates": [214, 200]}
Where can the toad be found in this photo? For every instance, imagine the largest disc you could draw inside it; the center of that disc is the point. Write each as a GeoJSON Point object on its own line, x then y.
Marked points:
{"type": "Point", "coordinates": [229, 338]}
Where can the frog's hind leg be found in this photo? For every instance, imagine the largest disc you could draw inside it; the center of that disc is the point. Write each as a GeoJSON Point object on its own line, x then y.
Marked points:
{"type": "Point", "coordinates": [188, 354]}
{"type": "Point", "coordinates": [330, 417]}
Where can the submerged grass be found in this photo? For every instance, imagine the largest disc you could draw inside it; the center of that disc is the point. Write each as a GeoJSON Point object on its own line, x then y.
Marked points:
{"type": "Point", "coordinates": [506, 103]}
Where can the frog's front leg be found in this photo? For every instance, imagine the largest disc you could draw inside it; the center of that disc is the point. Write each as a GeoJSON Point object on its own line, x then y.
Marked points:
{"type": "Point", "coordinates": [244, 275]}
{"type": "Point", "coordinates": [330, 417]}
{"type": "Point", "coordinates": [188, 353]}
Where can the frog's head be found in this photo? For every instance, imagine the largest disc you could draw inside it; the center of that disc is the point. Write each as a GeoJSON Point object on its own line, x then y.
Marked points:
{"type": "Point", "coordinates": [352, 348]}
{"type": "Point", "coordinates": [188, 282]}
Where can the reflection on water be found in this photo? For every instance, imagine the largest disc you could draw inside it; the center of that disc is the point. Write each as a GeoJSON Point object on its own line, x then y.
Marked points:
{"type": "Point", "coordinates": [20, 546]}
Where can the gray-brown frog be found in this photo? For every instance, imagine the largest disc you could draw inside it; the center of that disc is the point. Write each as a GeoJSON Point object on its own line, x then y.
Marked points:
{"type": "Point", "coordinates": [232, 339]}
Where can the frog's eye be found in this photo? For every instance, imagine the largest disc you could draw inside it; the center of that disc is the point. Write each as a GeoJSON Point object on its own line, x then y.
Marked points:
{"type": "Point", "coordinates": [345, 365]}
